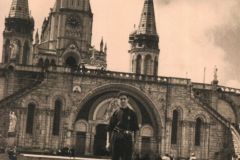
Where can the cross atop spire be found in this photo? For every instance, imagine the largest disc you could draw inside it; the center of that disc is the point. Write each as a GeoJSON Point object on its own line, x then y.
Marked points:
{"type": "Point", "coordinates": [147, 23]}
{"type": "Point", "coordinates": [19, 9]}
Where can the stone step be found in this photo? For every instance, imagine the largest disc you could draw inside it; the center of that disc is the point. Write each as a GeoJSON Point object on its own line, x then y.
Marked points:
{"type": "Point", "coordinates": [46, 157]}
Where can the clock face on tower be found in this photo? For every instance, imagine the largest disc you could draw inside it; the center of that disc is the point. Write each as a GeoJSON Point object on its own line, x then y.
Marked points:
{"type": "Point", "coordinates": [73, 21]}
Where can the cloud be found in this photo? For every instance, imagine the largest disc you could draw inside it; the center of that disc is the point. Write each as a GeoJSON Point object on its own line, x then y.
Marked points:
{"type": "Point", "coordinates": [189, 32]}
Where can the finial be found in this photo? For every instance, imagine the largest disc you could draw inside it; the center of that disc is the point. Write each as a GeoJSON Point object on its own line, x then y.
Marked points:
{"type": "Point", "coordinates": [36, 37]}
{"type": "Point", "coordinates": [101, 45]}
{"type": "Point", "coordinates": [105, 48]}
{"type": "Point", "coordinates": [215, 73]}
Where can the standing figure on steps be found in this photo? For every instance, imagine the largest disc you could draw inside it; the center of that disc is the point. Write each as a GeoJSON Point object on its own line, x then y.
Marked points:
{"type": "Point", "coordinates": [122, 128]}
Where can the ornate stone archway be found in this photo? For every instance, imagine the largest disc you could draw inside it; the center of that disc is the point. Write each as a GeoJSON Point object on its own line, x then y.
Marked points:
{"type": "Point", "coordinates": [108, 92]}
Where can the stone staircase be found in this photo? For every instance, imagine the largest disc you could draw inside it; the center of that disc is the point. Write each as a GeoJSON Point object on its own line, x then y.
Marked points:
{"type": "Point", "coordinates": [235, 139]}
{"type": "Point", "coordinates": [234, 132]}
{"type": "Point", "coordinates": [22, 91]}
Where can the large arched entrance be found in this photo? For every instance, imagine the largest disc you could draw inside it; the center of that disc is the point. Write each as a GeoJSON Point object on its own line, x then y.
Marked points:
{"type": "Point", "coordinates": [71, 62]}
{"type": "Point", "coordinates": [97, 107]}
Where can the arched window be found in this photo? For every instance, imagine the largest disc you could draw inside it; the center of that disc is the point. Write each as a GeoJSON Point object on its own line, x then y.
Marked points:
{"type": "Point", "coordinates": [147, 65]}
{"type": "Point", "coordinates": [40, 62]}
{"type": "Point", "coordinates": [57, 117]}
{"type": "Point", "coordinates": [138, 65]}
{"type": "Point", "coordinates": [156, 66]}
{"type": "Point", "coordinates": [26, 52]}
{"type": "Point", "coordinates": [6, 51]}
{"type": "Point", "coordinates": [46, 63]}
{"type": "Point", "coordinates": [19, 48]}
{"type": "Point", "coordinates": [30, 118]}
{"type": "Point", "coordinates": [198, 129]}
{"type": "Point", "coordinates": [53, 63]}
{"type": "Point", "coordinates": [174, 135]}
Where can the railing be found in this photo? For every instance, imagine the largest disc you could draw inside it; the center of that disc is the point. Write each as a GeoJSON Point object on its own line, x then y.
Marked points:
{"type": "Point", "coordinates": [202, 86]}
{"type": "Point", "coordinates": [104, 74]}
{"type": "Point", "coordinates": [229, 89]}
{"type": "Point", "coordinates": [209, 87]}
{"type": "Point", "coordinates": [212, 111]}
{"type": "Point", "coordinates": [122, 75]}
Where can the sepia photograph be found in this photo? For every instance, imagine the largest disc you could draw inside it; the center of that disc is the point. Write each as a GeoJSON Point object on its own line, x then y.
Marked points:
{"type": "Point", "coordinates": [119, 80]}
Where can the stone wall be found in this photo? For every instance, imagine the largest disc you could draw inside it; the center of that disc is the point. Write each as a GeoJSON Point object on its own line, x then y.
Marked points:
{"type": "Point", "coordinates": [164, 98]}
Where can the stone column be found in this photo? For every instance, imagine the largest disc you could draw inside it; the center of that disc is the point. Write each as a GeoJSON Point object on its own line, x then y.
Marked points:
{"type": "Point", "coordinates": [92, 138]}
{"type": "Point", "coordinates": [47, 128]}
{"type": "Point", "coordinates": [185, 140]}
{"type": "Point", "coordinates": [139, 146]}
{"type": "Point", "coordinates": [92, 130]}
{"type": "Point", "coordinates": [142, 65]}
{"type": "Point", "coordinates": [153, 144]}
{"type": "Point", "coordinates": [87, 144]}
{"type": "Point", "coordinates": [21, 127]}
{"type": "Point", "coordinates": [167, 136]}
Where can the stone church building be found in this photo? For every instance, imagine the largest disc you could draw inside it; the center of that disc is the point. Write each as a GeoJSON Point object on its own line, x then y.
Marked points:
{"type": "Point", "coordinates": [62, 93]}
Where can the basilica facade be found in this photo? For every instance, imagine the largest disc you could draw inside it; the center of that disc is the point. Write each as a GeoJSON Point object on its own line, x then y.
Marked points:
{"type": "Point", "coordinates": [62, 93]}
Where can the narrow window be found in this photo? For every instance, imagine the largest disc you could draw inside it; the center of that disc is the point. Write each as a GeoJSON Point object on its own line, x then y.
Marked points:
{"type": "Point", "coordinates": [138, 65]}
{"type": "Point", "coordinates": [174, 127]}
{"type": "Point", "coordinates": [30, 118]}
{"type": "Point", "coordinates": [198, 132]}
{"type": "Point", "coordinates": [7, 51]}
{"type": "Point", "coordinates": [147, 65]}
{"type": "Point", "coordinates": [26, 52]}
{"type": "Point", "coordinates": [57, 117]}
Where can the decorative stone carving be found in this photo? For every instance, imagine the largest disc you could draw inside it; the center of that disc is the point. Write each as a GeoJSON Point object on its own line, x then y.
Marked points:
{"type": "Point", "coordinates": [77, 89]}
{"type": "Point", "coordinates": [113, 105]}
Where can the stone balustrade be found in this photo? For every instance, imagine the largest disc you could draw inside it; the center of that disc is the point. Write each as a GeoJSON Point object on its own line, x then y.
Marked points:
{"type": "Point", "coordinates": [104, 74]}
{"type": "Point", "coordinates": [229, 89]}
{"type": "Point", "coordinates": [122, 76]}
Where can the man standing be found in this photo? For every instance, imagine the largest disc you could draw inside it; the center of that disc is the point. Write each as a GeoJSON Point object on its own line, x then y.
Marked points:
{"type": "Point", "coordinates": [122, 130]}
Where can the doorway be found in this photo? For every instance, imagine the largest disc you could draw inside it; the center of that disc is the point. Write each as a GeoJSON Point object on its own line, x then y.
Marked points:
{"type": "Point", "coordinates": [100, 140]}
{"type": "Point", "coordinates": [80, 143]}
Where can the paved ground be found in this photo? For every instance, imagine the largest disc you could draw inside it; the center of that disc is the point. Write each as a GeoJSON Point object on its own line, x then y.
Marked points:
{"type": "Point", "coordinates": [60, 157]}
{"type": "Point", "coordinates": [5, 157]}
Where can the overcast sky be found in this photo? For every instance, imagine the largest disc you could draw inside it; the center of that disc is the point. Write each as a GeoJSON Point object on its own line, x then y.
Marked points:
{"type": "Point", "coordinates": [193, 34]}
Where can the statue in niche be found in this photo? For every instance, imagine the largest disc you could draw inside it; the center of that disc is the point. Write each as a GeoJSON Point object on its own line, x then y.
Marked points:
{"type": "Point", "coordinates": [14, 49]}
{"type": "Point", "coordinates": [112, 106]}
{"type": "Point", "coordinates": [13, 122]}
{"type": "Point", "coordinates": [93, 56]}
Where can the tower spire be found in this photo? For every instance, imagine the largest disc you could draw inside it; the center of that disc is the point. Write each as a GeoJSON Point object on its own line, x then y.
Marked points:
{"type": "Point", "coordinates": [18, 33]}
{"type": "Point", "coordinates": [144, 43]}
{"type": "Point", "coordinates": [19, 9]}
{"type": "Point", "coordinates": [147, 23]}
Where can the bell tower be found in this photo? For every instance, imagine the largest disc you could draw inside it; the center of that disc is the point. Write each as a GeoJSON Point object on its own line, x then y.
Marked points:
{"type": "Point", "coordinates": [68, 31]}
{"type": "Point", "coordinates": [17, 35]}
{"type": "Point", "coordinates": [144, 40]}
